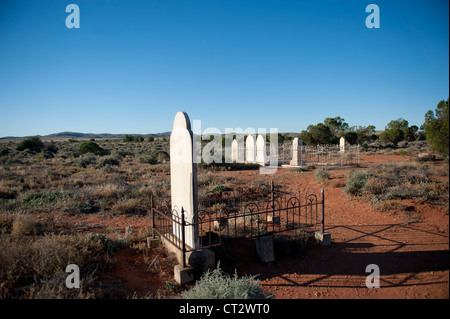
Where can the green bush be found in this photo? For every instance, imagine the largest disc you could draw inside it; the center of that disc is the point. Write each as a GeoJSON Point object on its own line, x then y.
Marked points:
{"type": "Point", "coordinates": [90, 147]}
{"type": "Point", "coordinates": [220, 188]}
{"type": "Point", "coordinates": [356, 183]}
{"type": "Point", "coordinates": [32, 143]}
{"type": "Point", "coordinates": [216, 284]}
{"type": "Point", "coordinates": [322, 175]}
{"type": "Point", "coordinates": [39, 199]}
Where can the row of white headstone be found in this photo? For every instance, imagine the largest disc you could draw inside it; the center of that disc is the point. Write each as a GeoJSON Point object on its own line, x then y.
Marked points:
{"type": "Point", "coordinates": [256, 152]}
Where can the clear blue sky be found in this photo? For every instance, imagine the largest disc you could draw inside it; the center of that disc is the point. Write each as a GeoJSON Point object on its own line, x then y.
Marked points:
{"type": "Point", "coordinates": [230, 63]}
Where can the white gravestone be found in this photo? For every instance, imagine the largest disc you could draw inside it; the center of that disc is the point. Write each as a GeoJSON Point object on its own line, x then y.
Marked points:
{"type": "Point", "coordinates": [250, 149]}
{"type": "Point", "coordinates": [237, 152]}
{"type": "Point", "coordinates": [342, 145]}
{"type": "Point", "coordinates": [297, 146]}
{"type": "Point", "coordinates": [183, 178]}
{"type": "Point", "coordinates": [260, 150]}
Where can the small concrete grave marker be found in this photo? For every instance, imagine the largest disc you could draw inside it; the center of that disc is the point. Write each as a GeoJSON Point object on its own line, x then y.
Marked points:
{"type": "Point", "coordinates": [297, 159]}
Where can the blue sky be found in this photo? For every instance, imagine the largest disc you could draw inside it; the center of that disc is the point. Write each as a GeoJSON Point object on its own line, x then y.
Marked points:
{"type": "Point", "coordinates": [229, 63]}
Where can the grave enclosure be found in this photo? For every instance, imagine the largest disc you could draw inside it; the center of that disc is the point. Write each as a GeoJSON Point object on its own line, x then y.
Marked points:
{"type": "Point", "coordinates": [189, 228]}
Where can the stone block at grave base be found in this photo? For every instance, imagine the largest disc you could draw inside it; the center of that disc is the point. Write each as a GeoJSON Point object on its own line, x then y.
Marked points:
{"type": "Point", "coordinates": [183, 275]}
{"type": "Point", "coordinates": [201, 260]}
{"type": "Point", "coordinates": [323, 237]}
{"type": "Point", "coordinates": [264, 249]}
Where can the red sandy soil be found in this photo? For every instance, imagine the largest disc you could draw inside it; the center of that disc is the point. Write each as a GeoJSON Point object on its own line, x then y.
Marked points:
{"type": "Point", "coordinates": [413, 258]}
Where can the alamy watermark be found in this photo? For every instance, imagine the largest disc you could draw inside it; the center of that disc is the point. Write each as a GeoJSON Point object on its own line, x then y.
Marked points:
{"type": "Point", "coordinates": [73, 19]}
{"type": "Point", "coordinates": [373, 280]}
{"type": "Point", "coordinates": [373, 19]}
{"type": "Point", "coordinates": [73, 280]}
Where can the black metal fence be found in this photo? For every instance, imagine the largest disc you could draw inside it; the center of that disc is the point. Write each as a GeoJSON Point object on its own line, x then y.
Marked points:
{"type": "Point", "coordinates": [248, 213]}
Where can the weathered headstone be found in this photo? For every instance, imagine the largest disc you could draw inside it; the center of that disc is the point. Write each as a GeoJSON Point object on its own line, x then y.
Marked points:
{"type": "Point", "coordinates": [342, 145]}
{"type": "Point", "coordinates": [250, 149]}
{"type": "Point", "coordinates": [260, 150]}
{"type": "Point", "coordinates": [297, 146]}
{"type": "Point", "coordinates": [183, 178]}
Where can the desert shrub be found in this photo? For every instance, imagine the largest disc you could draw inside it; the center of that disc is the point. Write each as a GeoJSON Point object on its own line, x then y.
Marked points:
{"type": "Point", "coordinates": [4, 152]}
{"type": "Point", "coordinates": [356, 183]}
{"type": "Point", "coordinates": [111, 161]}
{"type": "Point", "coordinates": [51, 148]}
{"type": "Point", "coordinates": [90, 147]}
{"type": "Point", "coordinates": [147, 159]}
{"type": "Point", "coordinates": [390, 206]}
{"type": "Point", "coordinates": [375, 186]}
{"type": "Point", "coordinates": [6, 221]}
{"type": "Point", "coordinates": [322, 175]}
{"type": "Point", "coordinates": [130, 206]}
{"type": "Point", "coordinates": [85, 160]}
{"type": "Point", "coordinates": [28, 261]}
{"type": "Point", "coordinates": [216, 284]}
{"type": "Point", "coordinates": [39, 199]}
{"type": "Point", "coordinates": [32, 143]}
{"type": "Point", "coordinates": [220, 188]}
{"type": "Point", "coordinates": [161, 156]}
{"type": "Point", "coordinates": [23, 225]}
{"type": "Point", "coordinates": [109, 246]}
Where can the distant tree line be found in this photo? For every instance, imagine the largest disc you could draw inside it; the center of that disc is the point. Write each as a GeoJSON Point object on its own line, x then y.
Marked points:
{"type": "Point", "coordinates": [332, 129]}
{"type": "Point", "coordinates": [132, 138]}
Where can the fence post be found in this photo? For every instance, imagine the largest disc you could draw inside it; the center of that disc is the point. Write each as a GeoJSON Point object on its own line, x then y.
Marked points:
{"type": "Point", "coordinates": [273, 204]}
{"type": "Point", "coordinates": [323, 210]}
{"type": "Point", "coordinates": [183, 238]}
{"type": "Point", "coordinates": [152, 205]}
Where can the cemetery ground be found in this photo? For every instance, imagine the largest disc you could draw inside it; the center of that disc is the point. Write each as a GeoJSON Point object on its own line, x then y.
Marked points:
{"type": "Point", "coordinates": [59, 207]}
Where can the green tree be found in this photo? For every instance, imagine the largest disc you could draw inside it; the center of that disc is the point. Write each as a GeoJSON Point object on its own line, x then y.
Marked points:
{"type": "Point", "coordinates": [410, 133]}
{"type": "Point", "coordinates": [364, 133]}
{"type": "Point", "coordinates": [351, 137]}
{"type": "Point", "coordinates": [394, 131]}
{"type": "Point", "coordinates": [318, 134]}
{"type": "Point", "coordinates": [128, 138]}
{"type": "Point", "coordinates": [436, 128]}
{"type": "Point", "coordinates": [337, 126]}
{"type": "Point", "coordinates": [33, 143]}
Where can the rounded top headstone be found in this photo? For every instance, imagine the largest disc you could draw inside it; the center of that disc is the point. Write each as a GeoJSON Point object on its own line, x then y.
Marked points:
{"type": "Point", "coordinates": [182, 121]}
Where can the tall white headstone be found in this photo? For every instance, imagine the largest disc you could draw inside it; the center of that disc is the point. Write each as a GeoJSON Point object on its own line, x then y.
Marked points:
{"type": "Point", "coordinates": [183, 178]}
{"type": "Point", "coordinates": [260, 150]}
{"type": "Point", "coordinates": [237, 152]}
{"type": "Point", "coordinates": [342, 144]}
{"type": "Point", "coordinates": [297, 159]}
{"type": "Point", "coordinates": [250, 149]}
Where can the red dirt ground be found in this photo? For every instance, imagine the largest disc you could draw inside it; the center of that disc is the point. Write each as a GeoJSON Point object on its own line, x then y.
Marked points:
{"type": "Point", "coordinates": [413, 258]}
